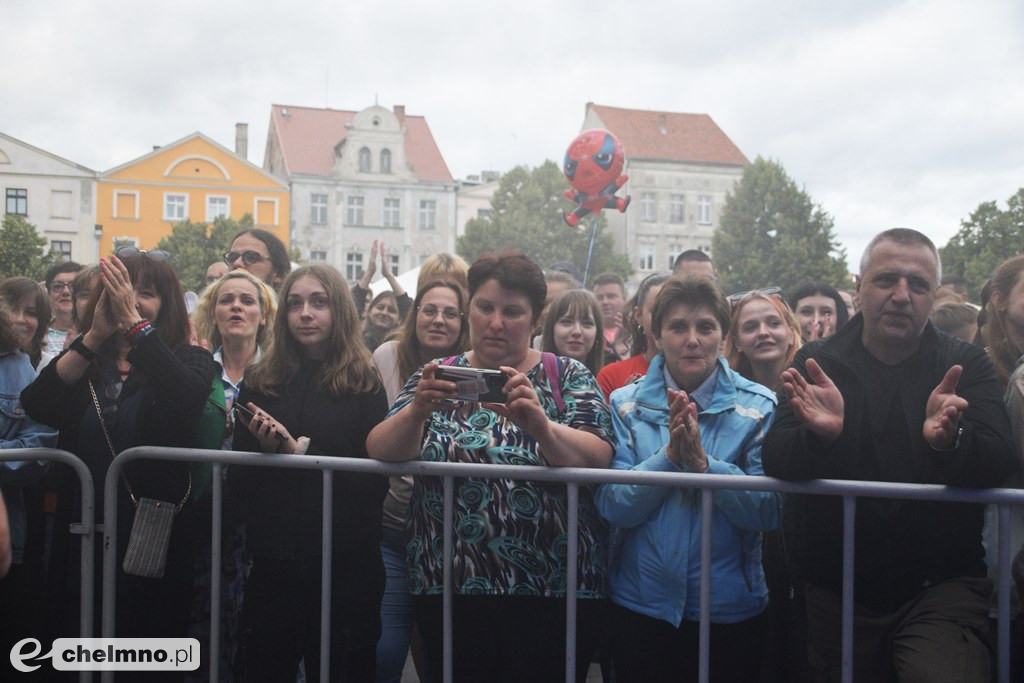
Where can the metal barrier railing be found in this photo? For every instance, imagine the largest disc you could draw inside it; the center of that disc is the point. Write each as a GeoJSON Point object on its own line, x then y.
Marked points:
{"type": "Point", "coordinates": [86, 528]}
{"type": "Point", "coordinates": [573, 478]}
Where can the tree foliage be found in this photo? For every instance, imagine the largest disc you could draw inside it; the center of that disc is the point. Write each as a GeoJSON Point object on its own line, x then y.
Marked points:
{"type": "Point", "coordinates": [772, 234]}
{"type": "Point", "coordinates": [986, 238]}
{"type": "Point", "coordinates": [23, 251]}
{"type": "Point", "coordinates": [194, 246]}
{"type": "Point", "coordinates": [527, 214]}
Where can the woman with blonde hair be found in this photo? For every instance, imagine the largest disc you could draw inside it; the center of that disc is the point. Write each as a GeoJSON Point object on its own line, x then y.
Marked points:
{"type": "Point", "coordinates": [314, 391]}
{"type": "Point", "coordinates": [233, 317]}
{"type": "Point", "coordinates": [763, 338]}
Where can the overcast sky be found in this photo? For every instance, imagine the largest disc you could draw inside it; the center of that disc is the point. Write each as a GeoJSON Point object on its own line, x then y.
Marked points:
{"type": "Point", "coordinates": [887, 113]}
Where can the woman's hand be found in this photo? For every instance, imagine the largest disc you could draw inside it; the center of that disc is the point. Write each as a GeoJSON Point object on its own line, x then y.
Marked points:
{"type": "Point", "coordinates": [684, 446]}
{"type": "Point", "coordinates": [117, 285]}
{"type": "Point", "coordinates": [265, 428]}
{"type": "Point", "coordinates": [522, 405]}
{"type": "Point", "coordinates": [104, 323]}
{"type": "Point", "coordinates": [431, 394]}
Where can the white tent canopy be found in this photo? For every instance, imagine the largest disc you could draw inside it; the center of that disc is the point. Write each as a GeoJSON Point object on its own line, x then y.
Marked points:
{"type": "Point", "coordinates": [407, 280]}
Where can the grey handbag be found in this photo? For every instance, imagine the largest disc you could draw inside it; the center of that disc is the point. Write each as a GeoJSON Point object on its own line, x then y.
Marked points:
{"type": "Point", "coordinates": [151, 529]}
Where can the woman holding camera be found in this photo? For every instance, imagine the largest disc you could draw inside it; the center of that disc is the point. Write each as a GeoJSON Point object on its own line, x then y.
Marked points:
{"type": "Point", "coordinates": [509, 564]}
{"type": "Point", "coordinates": [314, 392]}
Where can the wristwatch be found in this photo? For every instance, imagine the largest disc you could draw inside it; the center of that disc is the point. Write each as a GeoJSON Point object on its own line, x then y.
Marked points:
{"type": "Point", "coordinates": [79, 347]}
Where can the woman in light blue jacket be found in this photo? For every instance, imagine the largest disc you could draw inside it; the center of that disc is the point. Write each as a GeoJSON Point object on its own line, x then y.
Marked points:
{"type": "Point", "coordinates": [690, 413]}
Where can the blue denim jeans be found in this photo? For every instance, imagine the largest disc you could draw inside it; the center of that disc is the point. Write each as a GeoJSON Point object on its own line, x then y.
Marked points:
{"type": "Point", "coordinates": [396, 614]}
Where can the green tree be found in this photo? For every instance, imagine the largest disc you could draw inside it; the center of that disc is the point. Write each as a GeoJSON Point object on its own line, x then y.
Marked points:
{"type": "Point", "coordinates": [23, 251]}
{"type": "Point", "coordinates": [194, 246]}
{"type": "Point", "coordinates": [526, 213]}
{"type": "Point", "coordinates": [772, 234]}
{"type": "Point", "coordinates": [986, 238]}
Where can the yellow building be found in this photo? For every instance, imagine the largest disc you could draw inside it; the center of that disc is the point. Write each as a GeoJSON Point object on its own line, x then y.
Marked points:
{"type": "Point", "coordinates": [193, 178]}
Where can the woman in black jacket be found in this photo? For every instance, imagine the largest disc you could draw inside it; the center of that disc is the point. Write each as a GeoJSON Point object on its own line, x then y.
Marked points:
{"type": "Point", "coordinates": [314, 392]}
{"type": "Point", "coordinates": [132, 376]}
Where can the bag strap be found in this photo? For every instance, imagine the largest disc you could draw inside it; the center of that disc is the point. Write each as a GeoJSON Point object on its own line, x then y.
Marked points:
{"type": "Point", "coordinates": [450, 360]}
{"type": "Point", "coordinates": [113, 453]}
{"type": "Point", "coordinates": [553, 371]}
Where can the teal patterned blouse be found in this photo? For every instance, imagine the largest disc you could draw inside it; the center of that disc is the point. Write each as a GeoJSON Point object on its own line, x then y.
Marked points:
{"type": "Point", "coordinates": [510, 535]}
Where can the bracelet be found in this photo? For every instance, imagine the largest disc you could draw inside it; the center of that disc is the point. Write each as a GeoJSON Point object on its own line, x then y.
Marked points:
{"type": "Point", "coordinates": [138, 333]}
{"type": "Point", "coordinates": [79, 347]}
{"type": "Point", "coordinates": [135, 327]}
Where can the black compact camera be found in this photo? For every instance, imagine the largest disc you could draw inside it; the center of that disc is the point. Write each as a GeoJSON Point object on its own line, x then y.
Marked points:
{"type": "Point", "coordinates": [475, 384]}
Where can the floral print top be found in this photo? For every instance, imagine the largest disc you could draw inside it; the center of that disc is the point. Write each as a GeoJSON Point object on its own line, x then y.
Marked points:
{"type": "Point", "coordinates": [510, 535]}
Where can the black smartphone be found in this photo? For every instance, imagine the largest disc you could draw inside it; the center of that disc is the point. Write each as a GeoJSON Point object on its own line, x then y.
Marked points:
{"type": "Point", "coordinates": [475, 384]}
{"type": "Point", "coordinates": [247, 416]}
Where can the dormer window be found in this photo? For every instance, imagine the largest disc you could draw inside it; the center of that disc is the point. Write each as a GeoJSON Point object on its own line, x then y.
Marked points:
{"type": "Point", "coordinates": [364, 160]}
{"type": "Point", "coordinates": [385, 161]}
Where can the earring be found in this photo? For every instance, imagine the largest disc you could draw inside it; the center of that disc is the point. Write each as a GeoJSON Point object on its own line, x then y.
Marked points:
{"type": "Point", "coordinates": [640, 329]}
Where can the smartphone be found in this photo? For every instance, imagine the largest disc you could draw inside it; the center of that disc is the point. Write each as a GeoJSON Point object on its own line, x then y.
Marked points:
{"type": "Point", "coordinates": [475, 384]}
{"type": "Point", "coordinates": [247, 416]}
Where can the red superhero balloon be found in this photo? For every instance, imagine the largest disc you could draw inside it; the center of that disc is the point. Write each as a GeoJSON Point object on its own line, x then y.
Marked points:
{"type": "Point", "coordinates": [593, 165]}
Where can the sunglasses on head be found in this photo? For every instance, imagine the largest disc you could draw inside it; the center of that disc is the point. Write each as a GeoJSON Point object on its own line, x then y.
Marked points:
{"type": "Point", "coordinates": [132, 252]}
{"type": "Point", "coordinates": [248, 257]}
{"type": "Point", "coordinates": [740, 296]}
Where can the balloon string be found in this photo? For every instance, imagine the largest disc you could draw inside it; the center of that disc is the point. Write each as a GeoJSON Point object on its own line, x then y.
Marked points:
{"type": "Point", "coordinates": [590, 251]}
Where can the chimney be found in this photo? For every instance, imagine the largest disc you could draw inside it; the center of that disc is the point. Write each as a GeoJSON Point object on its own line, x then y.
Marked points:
{"type": "Point", "coordinates": [242, 140]}
{"type": "Point", "coordinates": [400, 111]}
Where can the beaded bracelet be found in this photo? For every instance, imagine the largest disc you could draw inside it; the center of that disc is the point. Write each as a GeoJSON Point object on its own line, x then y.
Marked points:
{"type": "Point", "coordinates": [135, 327]}
{"type": "Point", "coordinates": [138, 333]}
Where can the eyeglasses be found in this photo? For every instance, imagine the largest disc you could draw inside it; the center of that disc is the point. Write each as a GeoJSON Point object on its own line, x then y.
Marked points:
{"type": "Point", "coordinates": [132, 252]}
{"type": "Point", "coordinates": [248, 257]}
{"type": "Point", "coordinates": [740, 296]}
{"type": "Point", "coordinates": [58, 286]}
{"type": "Point", "coordinates": [430, 311]}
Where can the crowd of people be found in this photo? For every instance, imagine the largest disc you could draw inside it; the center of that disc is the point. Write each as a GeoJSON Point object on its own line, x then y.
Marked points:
{"type": "Point", "coordinates": [899, 381]}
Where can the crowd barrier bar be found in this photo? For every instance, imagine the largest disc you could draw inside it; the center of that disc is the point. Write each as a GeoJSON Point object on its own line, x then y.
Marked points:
{"type": "Point", "coordinates": [85, 529]}
{"type": "Point", "coordinates": [573, 478]}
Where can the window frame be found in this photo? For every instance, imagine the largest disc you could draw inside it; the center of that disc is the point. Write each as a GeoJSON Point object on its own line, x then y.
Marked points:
{"type": "Point", "coordinates": [645, 254]}
{"type": "Point", "coordinates": [10, 195]}
{"type": "Point", "coordinates": [227, 206]}
{"type": "Point", "coordinates": [365, 160]}
{"type": "Point", "coordinates": [677, 208]}
{"type": "Point", "coordinates": [428, 214]}
{"type": "Point", "coordinates": [648, 207]}
{"type": "Point", "coordinates": [356, 204]}
{"type": "Point", "coordinates": [318, 209]}
{"type": "Point", "coordinates": [183, 206]}
{"type": "Point", "coordinates": [704, 205]}
{"type": "Point", "coordinates": [354, 265]}
{"type": "Point", "coordinates": [391, 212]}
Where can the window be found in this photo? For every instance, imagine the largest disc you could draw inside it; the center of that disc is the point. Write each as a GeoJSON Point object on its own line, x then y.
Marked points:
{"type": "Point", "coordinates": [318, 209]}
{"type": "Point", "coordinates": [704, 209]}
{"type": "Point", "coordinates": [265, 210]}
{"type": "Point", "coordinates": [484, 214]}
{"type": "Point", "coordinates": [61, 247]}
{"type": "Point", "coordinates": [318, 256]}
{"type": "Point", "coordinates": [677, 208]}
{"type": "Point", "coordinates": [17, 202]}
{"type": "Point", "coordinates": [353, 266]}
{"type": "Point", "coordinates": [217, 207]}
{"type": "Point", "coordinates": [175, 207]}
{"type": "Point", "coordinates": [648, 207]}
{"type": "Point", "coordinates": [385, 161]}
{"type": "Point", "coordinates": [392, 212]}
{"type": "Point", "coordinates": [126, 204]}
{"type": "Point", "coordinates": [354, 215]}
{"type": "Point", "coordinates": [428, 214]}
{"type": "Point", "coordinates": [646, 257]}
{"type": "Point", "coordinates": [674, 250]}
{"type": "Point", "coordinates": [60, 204]}
{"type": "Point", "coordinates": [394, 261]}
{"type": "Point", "coordinates": [364, 160]}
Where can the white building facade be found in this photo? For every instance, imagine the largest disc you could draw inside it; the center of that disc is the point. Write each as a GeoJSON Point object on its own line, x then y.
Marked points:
{"type": "Point", "coordinates": [680, 167]}
{"type": "Point", "coordinates": [55, 195]}
{"type": "Point", "coordinates": [357, 177]}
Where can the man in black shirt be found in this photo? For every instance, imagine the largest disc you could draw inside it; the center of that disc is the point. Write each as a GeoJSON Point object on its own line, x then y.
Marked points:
{"type": "Point", "coordinates": [889, 398]}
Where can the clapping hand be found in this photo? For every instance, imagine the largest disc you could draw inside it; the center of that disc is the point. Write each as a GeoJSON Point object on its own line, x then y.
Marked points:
{"type": "Point", "coordinates": [818, 403]}
{"type": "Point", "coordinates": [684, 445]}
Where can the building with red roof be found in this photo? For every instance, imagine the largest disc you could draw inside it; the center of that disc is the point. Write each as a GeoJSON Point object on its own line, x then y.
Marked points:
{"type": "Point", "coordinates": [680, 167]}
{"type": "Point", "coordinates": [356, 177]}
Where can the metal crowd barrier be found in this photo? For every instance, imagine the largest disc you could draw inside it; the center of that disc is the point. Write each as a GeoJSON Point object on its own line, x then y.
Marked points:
{"type": "Point", "coordinates": [86, 529]}
{"type": "Point", "coordinates": [573, 478]}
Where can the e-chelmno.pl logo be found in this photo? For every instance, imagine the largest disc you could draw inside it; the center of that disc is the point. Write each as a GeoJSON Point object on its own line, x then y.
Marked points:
{"type": "Point", "coordinates": [109, 654]}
